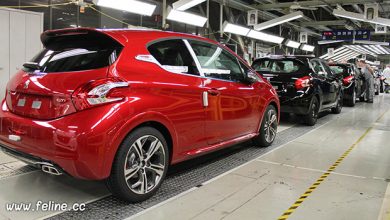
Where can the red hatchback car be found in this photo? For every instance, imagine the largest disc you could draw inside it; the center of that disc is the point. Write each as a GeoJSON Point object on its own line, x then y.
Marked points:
{"type": "Point", "coordinates": [123, 105]}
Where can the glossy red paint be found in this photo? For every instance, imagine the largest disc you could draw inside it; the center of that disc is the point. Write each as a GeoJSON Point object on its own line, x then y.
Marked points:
{"type": "Point", "coordinates": [84, 142]}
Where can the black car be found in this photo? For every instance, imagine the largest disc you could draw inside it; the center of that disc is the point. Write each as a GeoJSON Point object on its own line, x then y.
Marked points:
{"type": "Point", "coordinates": [305, 85]}
{"type": "Point", "coordinates": [353, 82]}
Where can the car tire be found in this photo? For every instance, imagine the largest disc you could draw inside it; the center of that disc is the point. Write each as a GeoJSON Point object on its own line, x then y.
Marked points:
{"type": "Point", "coordinates": [268, 129]}
{"type": "Point", "coordinates": [352, 101]}
{"type": "Point", "coordinates": [311, 118]}
{"type": "Point", "coordinates": [339, 105]}
{"type": "Point", "coordinates": [143, 155]}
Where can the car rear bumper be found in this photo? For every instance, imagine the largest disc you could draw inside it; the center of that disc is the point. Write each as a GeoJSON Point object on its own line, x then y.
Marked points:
{"type": "Point", "coordinates": [348, 92]}
{"type": "Point", "coordinates": [79, 144]}
{"type": "Point", "coordinates": [297, 105]}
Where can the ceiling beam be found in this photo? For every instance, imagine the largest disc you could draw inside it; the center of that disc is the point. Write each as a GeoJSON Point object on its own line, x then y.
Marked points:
{"type": "Point", "coordinates": [314, 3]}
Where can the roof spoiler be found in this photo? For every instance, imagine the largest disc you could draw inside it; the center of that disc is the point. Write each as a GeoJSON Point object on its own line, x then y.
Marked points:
{"type": "Point", "coordinates": [77, 37]}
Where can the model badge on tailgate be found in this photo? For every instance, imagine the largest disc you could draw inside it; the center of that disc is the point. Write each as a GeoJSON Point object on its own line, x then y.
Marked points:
{"type": "Point", "coordinates": [13, 137]}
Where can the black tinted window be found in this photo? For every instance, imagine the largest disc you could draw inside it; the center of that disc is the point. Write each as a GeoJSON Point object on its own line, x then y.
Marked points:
{"type": "Point", "coordinates": [285, 66]}
{"type": "Point", "coordinates": [174, 56]}
{"type": "Point", "coordinates": [74, 59]}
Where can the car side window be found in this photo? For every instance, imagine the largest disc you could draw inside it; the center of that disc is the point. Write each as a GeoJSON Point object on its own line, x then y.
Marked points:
{"type": "Point", "coordinates": [216, 62]}
{"type": "Point", "coordinates": [318, 69]}
{"type": "Point", "coordinates": [174, 56]}
{"type": "Point", "coordinates": [329, 72]}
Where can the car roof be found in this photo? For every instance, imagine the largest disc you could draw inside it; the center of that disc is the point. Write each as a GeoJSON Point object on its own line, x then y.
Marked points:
{"type": "Point", "coordinates": [134, 35]}
{"type": "Point", "coordinates": [124, 36]}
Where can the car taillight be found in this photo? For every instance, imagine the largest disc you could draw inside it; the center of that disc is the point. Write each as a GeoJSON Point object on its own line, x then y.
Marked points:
{"type": "Point", "coordinates": [303, 82]}
{"type": "Point", "coordinates": [347, 80]}
{"type": "Point", "coordinates": [98, 92]}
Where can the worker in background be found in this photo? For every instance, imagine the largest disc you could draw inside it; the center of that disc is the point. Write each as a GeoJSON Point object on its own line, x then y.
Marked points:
{"type": "Point", "coordinates": [386, 76]}
{"type": "Point", "coordinates": [368, 73]}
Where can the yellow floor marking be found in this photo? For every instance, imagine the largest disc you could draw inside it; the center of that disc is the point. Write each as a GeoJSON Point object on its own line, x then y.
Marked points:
{"type": "Point", "coordinates": [385, 209]}
{"type": "Point", "coordinates": [307, 193]}
{"type": "Point", "coordinates": [299, 201]}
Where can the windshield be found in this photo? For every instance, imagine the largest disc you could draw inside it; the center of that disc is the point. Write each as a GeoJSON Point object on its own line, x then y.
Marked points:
{"type": "Point", "coordinates": [278, 66]}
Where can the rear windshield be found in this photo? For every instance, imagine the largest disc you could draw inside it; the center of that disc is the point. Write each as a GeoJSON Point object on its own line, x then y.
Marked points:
{"type": "Point", "coordinates": [75, 51]}
{"type": "Point", "coordinates": [278, 66]}
{"type": "Point", "coordinates": [340, 69]}
{"type": "Point", "coordinates": [74, 59]}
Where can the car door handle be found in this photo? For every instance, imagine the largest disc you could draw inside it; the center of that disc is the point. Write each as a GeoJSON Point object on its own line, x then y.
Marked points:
{"type": "Point", "coordinates": [214, 92]}
{"type": "Point", "coordinates": [15, 131]}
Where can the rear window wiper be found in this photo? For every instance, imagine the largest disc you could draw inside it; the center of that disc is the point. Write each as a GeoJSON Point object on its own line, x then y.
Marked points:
{"type": "Point", "coordinates": [32, 66]}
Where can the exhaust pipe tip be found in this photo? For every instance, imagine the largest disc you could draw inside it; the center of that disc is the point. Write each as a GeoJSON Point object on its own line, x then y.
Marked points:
{"type": "Point", "coordinates": [51, 170]}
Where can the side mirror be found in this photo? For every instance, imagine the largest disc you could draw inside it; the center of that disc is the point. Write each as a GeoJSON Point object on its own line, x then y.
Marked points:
{"type": "Point", "coordinates": [31, 66]}
{"type": "Point", "coordinates": [251, 77]}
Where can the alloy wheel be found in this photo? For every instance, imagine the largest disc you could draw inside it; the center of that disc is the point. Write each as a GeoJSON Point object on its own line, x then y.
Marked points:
{"type": "Point", "coordinates": [145, 164]}
{"type": "Point", "coordinates": [271, 125]}
{"type": "Point", "coordinates": [314, 110]}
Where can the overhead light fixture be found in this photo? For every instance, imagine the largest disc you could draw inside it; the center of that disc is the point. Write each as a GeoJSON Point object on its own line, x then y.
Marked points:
{"type": "Point", "coordinates": [185, 17]}
{"type": "Point", "coordinates": [278, 21]}
{"type": "Point", "coordinates": [132, 6]}
{"type": "Point", "coordinates": [358, 49]}
{"type": "Point", "coordinates": [372, 42]}
{"type": "Point", "coordinates": [350, 52]}
{"type": "Point", "coordinates": [343, 51]}
{"type": "Point", "coordinates": [349, 15]}
{"type": "Point", "coordinates": [322, 42]}
{"type": "Point", "coordinates": [381, 21]}
{"type": "Point", "coordinates": [382, 49]}
{"type": "Point", "coordinates": [307, 47]}
{"type": "Point", "coordinates": [373, 49]}
{"type": "Point", "coordinates": [244, 31]}
{"type": "Point", "coordinates": [235, 29]}
{"type": "Point", "coordinates": [334, 52]}
{"type": "Point", "coordinates": [362, 50]}
{"type": "Point", "coordinates": [293, 44]}
{"type": "Point", "coordinates": [265, 37]}
{"type": "Point", "coordinates": [360, 17]}
{"type": "Point", "coordinates": [183, 5]}
{"type": "Point", "coordinates": [346, 58]}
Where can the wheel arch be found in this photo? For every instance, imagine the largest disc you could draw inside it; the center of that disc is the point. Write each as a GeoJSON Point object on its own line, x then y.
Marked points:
{"type": "Point", "coordinates": [152, 119]}
{"type": "Point", "coordinates": [277, 107]}
{"type": "Point", "coordinates": [164, 131]}
{"type": "Point", "coordinates": [275, 103]}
